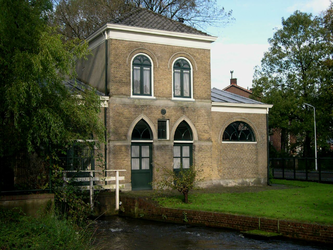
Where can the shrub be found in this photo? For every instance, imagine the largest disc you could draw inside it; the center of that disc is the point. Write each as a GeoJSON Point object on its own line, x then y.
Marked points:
{"type": "Point", "coordinates": [182, 180]}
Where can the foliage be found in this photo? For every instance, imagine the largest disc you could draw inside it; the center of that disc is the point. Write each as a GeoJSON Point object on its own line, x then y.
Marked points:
{"type": "Point", "coordinates": [300, 201]}
{"type": "Point", "coordinates": [79, 18]}
{"type": "Point", "coordinates": [46, 232]}
{"type": "Point", "coordinates": [196, 13]}
{"type": "Point", "coordinates": [295, 71]}
{"type": "Point", "coordinates": [182, 180]}
{"type": "Point", "coordinates": [40, 118]}
{"type": "Point", "coordinates": [72, 204]}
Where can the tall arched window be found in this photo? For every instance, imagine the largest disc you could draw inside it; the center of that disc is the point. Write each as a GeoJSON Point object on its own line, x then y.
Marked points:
{"type": "Point", "coordinates": [182, 149]}
{"type": "Point", "coordinates": [182, 79]}
{"type": "Point", "coordinates": [238, 131]}
{"type": "Point", "coordinates": [141, 76]}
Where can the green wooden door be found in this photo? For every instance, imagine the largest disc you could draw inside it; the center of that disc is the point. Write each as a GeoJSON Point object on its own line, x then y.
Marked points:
{"type": "Point", "coordinates": [141, 166]}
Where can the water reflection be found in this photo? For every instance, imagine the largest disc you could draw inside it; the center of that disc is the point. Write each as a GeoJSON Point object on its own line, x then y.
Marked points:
{"type": "Point", "coordinates": [129, 234]}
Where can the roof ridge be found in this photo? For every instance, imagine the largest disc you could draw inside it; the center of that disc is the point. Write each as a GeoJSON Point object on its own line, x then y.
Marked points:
{"type": "Point", "coordinates": [177, 26]}
{"type": "Point", "coordinates": [237, 86]}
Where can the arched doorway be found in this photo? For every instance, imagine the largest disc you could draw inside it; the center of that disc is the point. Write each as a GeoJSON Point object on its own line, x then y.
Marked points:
{"type": "Point", "coordinates": [183, 147]}
{"type": "Point", "coordinates": [141, 156]}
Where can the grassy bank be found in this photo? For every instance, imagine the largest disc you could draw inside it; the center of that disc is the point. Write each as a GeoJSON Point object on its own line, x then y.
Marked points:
{"type": "Point", "coordinates": [18, 231]}
{"type": "Point", "coordinates": [303, 201]}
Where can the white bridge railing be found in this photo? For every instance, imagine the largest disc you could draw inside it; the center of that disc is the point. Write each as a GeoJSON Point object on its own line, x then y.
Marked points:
{"type": "Point", "coordinates": [91, 179]}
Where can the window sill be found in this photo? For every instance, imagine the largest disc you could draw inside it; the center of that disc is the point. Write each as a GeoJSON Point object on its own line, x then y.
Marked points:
{"type": "Point", "coordinates": [143, 97]}
{"type": "Point", "coordinates": [241, 142]}
{"type": "Point", "coordinates": [182, 99]}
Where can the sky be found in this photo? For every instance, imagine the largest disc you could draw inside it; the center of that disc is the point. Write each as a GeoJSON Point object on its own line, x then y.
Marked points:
{"type": "Point", "coordinates": [241, 43]}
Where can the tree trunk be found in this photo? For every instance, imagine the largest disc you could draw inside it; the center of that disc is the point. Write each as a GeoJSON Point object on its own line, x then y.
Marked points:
{"type": "Point", "coordinates": [185, 197]}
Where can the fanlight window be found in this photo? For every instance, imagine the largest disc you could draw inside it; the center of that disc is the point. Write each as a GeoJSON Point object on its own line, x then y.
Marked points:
{"type": "Point", "coordinates": [142, 131]}
{"type": "Point", "coordinates": [183, 132]}
{"type": "Point", "coordinates": [238, 131]}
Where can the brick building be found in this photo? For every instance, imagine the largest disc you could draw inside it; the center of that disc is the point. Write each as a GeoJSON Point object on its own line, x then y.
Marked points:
{"type": "Point", "coordinates": [233, 87]}
{"type": "Point", "coordinates": [161, 109]}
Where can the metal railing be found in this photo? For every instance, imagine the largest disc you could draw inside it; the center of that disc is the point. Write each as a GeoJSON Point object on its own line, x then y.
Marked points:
{"type": "Point", "coordinates": [294, 168]}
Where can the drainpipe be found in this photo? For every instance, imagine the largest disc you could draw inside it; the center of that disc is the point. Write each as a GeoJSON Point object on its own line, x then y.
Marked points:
{"type": "Point", "coordinates": [267, 129]}
{"type": "Point", "coordinates": [106, 93]}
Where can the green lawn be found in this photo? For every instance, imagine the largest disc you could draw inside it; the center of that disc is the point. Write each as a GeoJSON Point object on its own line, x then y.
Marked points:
{"type": "Point", "coordinates": [306, 201]}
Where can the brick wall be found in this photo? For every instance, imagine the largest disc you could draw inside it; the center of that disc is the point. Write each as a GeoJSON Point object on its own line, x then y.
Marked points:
{"type": "Point", "coordinates": [240, 163]}
{"type": "Point", "coordinates": [146, 209]}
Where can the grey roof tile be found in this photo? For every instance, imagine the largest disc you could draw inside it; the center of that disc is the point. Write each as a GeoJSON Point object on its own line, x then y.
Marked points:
{"type": "Point", "coordinates": [144, 18]}
{"type": "Point", "coordinates": [218, 95]}
{"type": "Point", "coordinates": [76, 86]}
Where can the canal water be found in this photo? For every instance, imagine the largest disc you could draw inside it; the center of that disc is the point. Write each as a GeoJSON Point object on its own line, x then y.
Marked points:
{"type": "Point", "coordinates": [135, 234]}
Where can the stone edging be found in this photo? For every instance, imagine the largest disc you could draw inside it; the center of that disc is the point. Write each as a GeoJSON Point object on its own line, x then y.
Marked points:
{"type": "Point", "coordinates": [145, 209]}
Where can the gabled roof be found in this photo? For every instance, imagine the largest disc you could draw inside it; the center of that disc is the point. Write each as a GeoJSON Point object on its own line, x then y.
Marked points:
{"type": "Point", "coordinates": [218, 95]}
{"type": "Point", "coordinates": [148, 19]}
{"type": "Point", "coordinates": [238, 87]}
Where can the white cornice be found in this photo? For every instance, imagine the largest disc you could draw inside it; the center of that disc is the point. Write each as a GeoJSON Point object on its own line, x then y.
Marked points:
{"type": "Point", "coordinates": [129, 33]}
{"type": "Point", "coordinates": [241, 108]}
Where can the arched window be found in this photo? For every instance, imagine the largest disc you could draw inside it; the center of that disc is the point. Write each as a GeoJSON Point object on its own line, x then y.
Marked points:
{"type": "Point", "coordinates": [141, 76]}
{"type": "Point", "coordinates": [182, 149]}
{"type": "Point", "coordinates": [142, 131]}
{"type": "Point", "coordinates": [238, 131]}
{"type": "Point", "coordinates": [182, 79]}
{"type": "Point", "coordinates": [183, 132]}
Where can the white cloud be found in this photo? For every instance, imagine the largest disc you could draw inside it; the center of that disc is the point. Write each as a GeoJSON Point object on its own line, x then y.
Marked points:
{"type": "Point", "coordinates": [311, 6]}
{"type": "Point", "coordinates": [241, 58]}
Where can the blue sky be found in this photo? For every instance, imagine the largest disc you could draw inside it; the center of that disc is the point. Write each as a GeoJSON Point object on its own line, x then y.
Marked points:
{"type": "Point", "coordinates": [242, 43]}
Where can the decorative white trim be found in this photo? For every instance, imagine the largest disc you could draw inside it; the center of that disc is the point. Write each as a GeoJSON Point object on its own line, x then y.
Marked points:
{"type": "Point", "coordinates": [129, 33]}
{"type": "Point", "coordinates": [142, 141]}
{"type": "Point", "coordinates": [104, 100]}
{"type": "Point", "coordinates": [241, 108]}
{"type": "Point", "coordinates": [189, 142]}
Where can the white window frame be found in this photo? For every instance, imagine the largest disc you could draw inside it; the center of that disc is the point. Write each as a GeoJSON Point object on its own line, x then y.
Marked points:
{"type": "Point", "coordinates": [152, 78]}
{"type": "Point", "coordinates": [191, 84]}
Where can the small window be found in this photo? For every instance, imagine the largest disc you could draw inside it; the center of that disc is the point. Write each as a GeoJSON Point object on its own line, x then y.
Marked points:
{"type": "Point", "coordinates": [163, 129]}
{"type": "Point", "coordinates": [182, 79]}
{"type": "Point", "coordinates": [141, 76]}
{"type": "Point", "coordinates": [238, 131]}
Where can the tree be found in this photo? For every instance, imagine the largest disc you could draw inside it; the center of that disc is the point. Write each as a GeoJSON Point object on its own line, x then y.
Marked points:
{"type": "Point", "coordinates": [196, 13]}
{"type": "Point", "coordinates": [293, 72]}
{"type": "Point", "coordinates": [39, 116]}
{"type": "Point", "coordinates": [182, 180]}
{"type": "Point", "coordinates": [79, 18]}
